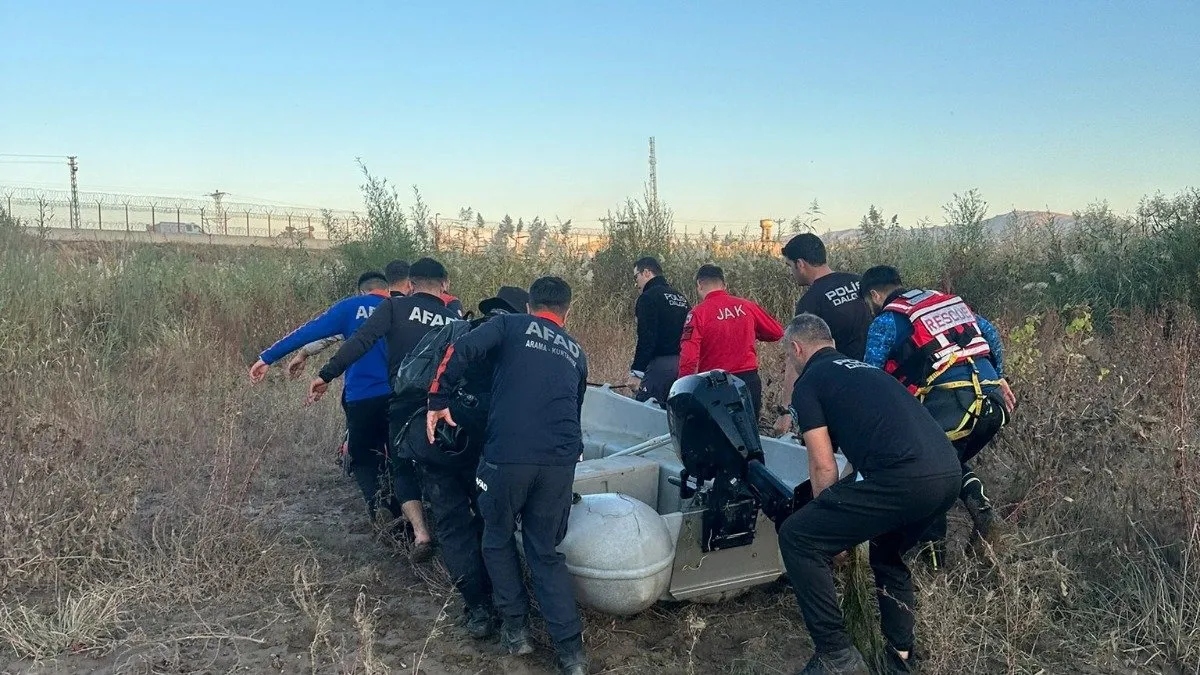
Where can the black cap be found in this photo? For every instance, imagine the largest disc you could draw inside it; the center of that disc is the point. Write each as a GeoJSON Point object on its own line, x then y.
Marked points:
{"type": "Point", "coordinates": [367, 276]}
{"type": "Point", "coordinates": [509, 298]}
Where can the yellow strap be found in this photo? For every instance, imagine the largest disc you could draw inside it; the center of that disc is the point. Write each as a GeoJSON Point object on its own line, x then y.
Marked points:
{"type": "Point", "coordinates": [967, 424]}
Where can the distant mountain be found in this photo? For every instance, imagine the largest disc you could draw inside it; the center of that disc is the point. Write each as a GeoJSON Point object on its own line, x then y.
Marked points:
{"type": "Point", "coordinates": [994, 226]}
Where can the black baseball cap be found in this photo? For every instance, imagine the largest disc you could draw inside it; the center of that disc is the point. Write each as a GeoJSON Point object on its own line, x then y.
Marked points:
{"type": "Point", "coordinates": [509, 298]}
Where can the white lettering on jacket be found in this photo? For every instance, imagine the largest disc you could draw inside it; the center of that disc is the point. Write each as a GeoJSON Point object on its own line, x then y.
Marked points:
{"type": "Point", "coordinates": [675, 300]}
{"type": "Point", "coordinates": [364, 312]}
{"type": "Point", "coordinates": [730, 312]}
{"type": "Point", "coordinates": [843, 294]}
{"type": "Point", "coordinates": [550, 337]}
{"type": "Point", "coordinates": [427, 317]}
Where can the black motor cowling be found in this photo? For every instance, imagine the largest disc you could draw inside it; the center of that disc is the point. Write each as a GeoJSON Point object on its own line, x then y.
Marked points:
{"type": "Point", "coordinates": [715, 433]}
{"type": "Point", "coordinates": [712, 425]}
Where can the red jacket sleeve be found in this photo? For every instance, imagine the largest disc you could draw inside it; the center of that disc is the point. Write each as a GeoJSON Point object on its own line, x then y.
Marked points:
{"type": "Point", "coordinates": [766, 328]}
{"type": "Point", "coordinates": [689, 345]}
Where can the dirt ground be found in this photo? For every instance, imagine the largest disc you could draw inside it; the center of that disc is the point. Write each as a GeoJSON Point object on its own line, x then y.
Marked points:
{"type": "Point", "coordinates": [406, 618]}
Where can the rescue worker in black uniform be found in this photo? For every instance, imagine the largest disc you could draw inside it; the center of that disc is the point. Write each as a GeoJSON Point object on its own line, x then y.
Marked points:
{"type": "Point", "coordinates": [910, 476]}
{"type": "Point", "coordinates": [833, 296]}
{"type": "Point", "coordinates": [533, 442]}
{"type": "Point", "coordinates": [661, 311]}
{"type": "Point", "coordinates": [402, 321]}
{"type": "Point", "coordinates": [447, 467]}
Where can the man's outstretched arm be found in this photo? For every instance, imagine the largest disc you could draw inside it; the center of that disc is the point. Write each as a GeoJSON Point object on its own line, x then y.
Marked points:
{"type": "Point", "coordinates": [322, 326]}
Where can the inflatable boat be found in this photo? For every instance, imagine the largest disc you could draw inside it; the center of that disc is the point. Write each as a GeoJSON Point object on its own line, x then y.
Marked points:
{"type": "Point", "coordinates": [638, 535]}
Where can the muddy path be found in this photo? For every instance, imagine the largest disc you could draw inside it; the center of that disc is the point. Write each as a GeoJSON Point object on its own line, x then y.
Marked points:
{"type": "Point", "coordinates": [347, 600]}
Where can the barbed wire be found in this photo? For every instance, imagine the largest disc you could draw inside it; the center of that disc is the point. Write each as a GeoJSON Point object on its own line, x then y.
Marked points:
{"type": "Point", "coordinates": [63, 198]}
{"type": "Point", "coordinates": [230, 214]}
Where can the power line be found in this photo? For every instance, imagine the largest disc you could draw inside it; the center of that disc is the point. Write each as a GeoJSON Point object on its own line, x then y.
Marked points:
{"type": "Point", "coordinates": [11, 154]}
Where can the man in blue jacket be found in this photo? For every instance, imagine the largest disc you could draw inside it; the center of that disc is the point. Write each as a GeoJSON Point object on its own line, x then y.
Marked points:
{"type": "Point", "coordinates": [367, 390]}
{"type": "Point", "coordinates": [527, 470]}
{"type": "Point", "coordinates": [953, 360]}
{"type": "Point", "coordinates": [400, 323]}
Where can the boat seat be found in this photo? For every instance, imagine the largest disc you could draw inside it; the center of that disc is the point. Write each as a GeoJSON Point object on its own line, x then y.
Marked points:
{"type": "Point", "coordinates": [633, 476]}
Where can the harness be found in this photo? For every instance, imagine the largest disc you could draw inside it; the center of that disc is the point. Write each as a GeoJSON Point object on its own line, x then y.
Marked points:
{"type": "Point", "coordinates": [944, 334]}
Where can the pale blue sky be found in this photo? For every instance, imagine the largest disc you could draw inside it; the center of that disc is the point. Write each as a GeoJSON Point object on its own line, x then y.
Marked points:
{"type": "Point", "coordinates": [545, 107]}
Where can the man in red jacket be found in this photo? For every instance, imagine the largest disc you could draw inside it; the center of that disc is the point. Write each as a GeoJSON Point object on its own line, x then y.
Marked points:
{"type": "Point", "coordinates": [720, 333]}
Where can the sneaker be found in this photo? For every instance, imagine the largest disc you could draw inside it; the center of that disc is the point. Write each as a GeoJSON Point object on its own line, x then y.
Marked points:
{"type": "Point", "coordinates": [572, 659]}
{"type": "Point", "coordinates": [894, 665]}
{"type": "Point", "coordinates": [480, 621]}
{"type": "Point", "coordinates": [844, 662]}
{"type": "Point", "coordinates": [514, 636]}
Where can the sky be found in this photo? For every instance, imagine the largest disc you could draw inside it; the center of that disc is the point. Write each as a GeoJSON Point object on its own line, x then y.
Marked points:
{"type": "Point", "coordinates": [545, 108]}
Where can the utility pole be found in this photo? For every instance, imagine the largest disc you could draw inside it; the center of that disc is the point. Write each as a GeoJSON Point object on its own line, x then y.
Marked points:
{"type": "Point", "coordinates": [73, 164]}
{"type": "Point", "coordinates": [216, 197]}
{"type": "Point", "coordinates": [653, 177]}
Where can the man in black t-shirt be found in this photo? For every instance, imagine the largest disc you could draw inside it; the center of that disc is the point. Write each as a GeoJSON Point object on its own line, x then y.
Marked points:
{"type": "Point", "coordinates": [910, 475]}
{"type": "Point", "coordinates": [833, 296]}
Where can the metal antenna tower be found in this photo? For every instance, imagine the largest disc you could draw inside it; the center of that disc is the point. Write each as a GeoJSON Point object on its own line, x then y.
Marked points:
{"type": "Point", "coordinates": [73, 164]}
{"type": "Point", "coordinates": [216, 197]}
{"type": "Point", "coordinates": [653, 175]}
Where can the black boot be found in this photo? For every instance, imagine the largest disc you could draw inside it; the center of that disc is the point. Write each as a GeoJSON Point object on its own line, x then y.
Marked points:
{"type": "Point", "coordinates": [845, 662]}
{"type": "Point", "coordinates": [480, 621]}
{"type": "Point", "coordinates": [514, 636]}
{"type": "Point", "coordinates": [572, 659]}
{"type": "Point", "coordinates": [978, 505]}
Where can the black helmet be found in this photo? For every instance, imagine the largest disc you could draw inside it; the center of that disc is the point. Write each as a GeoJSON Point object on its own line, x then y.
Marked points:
{"type": "Point", "coordinates": [712, 424]}
{"type": "Point", "coordinates": [451, 448]}
{"type": "Point", "coordinates": [451, 441]}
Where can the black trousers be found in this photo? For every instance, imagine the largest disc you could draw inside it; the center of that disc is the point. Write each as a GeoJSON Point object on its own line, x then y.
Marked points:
{"type": "Point", "coordinates": [661, 373]}
{"type": "Point", "coordinates": [754, 383]}
{"type": "Point", "coordinates": [406, 481]}
{"type": "Point", "coordinates": [540, 496]}
{"type": "Point", "coordinates": [889, 512]}
{"type": "Point", "coordinates": [452, 496]}
{"type": "Point", "coordinates": [366, 440]}
{"type": "Point", "coordinates": [991, 419]}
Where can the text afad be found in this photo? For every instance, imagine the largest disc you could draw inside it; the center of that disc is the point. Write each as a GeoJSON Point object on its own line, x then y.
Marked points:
{"type": "Point", "coordinates": [551, 337]}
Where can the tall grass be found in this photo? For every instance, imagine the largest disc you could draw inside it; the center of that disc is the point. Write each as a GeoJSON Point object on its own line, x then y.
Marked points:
{"type": "Point", "coordinates": [142, 474]}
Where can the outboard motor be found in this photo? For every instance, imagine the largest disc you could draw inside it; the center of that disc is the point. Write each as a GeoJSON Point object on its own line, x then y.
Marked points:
{"type": "Point", "coordinates": [713, 428]}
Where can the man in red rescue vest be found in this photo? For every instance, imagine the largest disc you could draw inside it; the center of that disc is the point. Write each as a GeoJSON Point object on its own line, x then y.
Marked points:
{"type": "Point", "coordinates": [953, 360]}
{"type": "Point", "coordinates": [721, 331]}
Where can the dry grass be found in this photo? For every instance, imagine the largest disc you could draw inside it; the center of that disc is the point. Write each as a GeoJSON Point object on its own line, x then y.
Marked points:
{"type": "Point", "coordinates": [160, 515]}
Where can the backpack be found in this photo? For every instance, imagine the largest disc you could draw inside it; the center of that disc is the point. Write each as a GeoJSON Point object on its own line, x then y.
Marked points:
{"type": "Point", "coordinates": [418, 370]}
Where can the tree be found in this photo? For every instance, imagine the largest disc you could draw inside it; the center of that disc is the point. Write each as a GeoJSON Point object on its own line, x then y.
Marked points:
{"type": "Point", "coordinates": [381, 236]}
{"type": "Point", "coordinates": [421, 220]}
{"type": "Point", "coordinates": [965, 242]}
{"type": "Point", "coordinates": [538, 231]}
{"type": "Point", "coordinates": [503, 232]}
{"type": "Point", "coordinates": [639, 227]}
{"type": "Point", "coordinates": [964, 217]}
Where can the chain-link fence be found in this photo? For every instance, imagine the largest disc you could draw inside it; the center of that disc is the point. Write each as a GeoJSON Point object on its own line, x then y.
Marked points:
{"type": "Point", "coordinates": [180, 216]}
{"type": "Point", "coordinates": [129, 213]}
